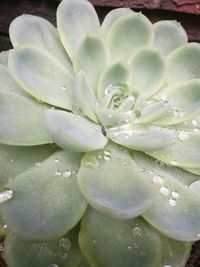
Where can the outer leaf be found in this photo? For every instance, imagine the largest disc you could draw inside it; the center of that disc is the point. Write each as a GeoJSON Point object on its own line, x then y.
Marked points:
{"type": "Point", "coordinates": [184, 152]}
{"type": "Point", "coordinates": [147, 71]}
{"type": "Point", "coordinates": [4, 57]}
{"type": "Point", "coordinates": [62, 252]}
{"type": "Point", "coordinates": [85, 96]}
{"type": "Point", "coordinates": [169, 35]}
{"type": "Point", "coordinates": [42, 75]}
{"type": "Point", "coordinates": [176, 210]}
{"type": "Point", "coordinates": [8, 84]}
{"type": "Point", "coordinates": [112, 76]}
{"type": "Point", "coordinates": [142, 138]}
{"type": "Point", "coordinates": [111, 183]}
{"type": "Point", "coordinates": [112, 16]}
{"type": "Point", "coordinates": [18, 115]}
{"type": "Point", "coordinates": [15, 159]}
{"type": "Point", "coordinates": [130, 242]}
{"type": "Point", "coordinates": [175, 253]}
{"type": "Point", "coordinates": [46, 195]}
{"type": "Point", "coordinates": [184, 63]}
{"type": "Point", "coordinates": [182, 100]}
{"type": "Point", "coordinates": [41, 33]}
{"type": "Point", "coordinates": [71, 131]}
{"type": "Point", "coordinates": [91, 57]}
{"type": "Point", "coordinates": [128, 34]}
{"type": "Point", "coordinates": [75, 19]}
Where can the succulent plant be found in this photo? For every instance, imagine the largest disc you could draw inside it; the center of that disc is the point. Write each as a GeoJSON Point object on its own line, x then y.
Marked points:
{"type": "Point", "coordinates": [100, 141]}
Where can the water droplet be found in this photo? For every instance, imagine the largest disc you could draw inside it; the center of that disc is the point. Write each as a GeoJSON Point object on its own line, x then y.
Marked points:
{"type": "Point", "coordinates": [183, 136]}
{"type": "Point", "coordinates": [65, 243]}
{"type": "Point", "coordinates": [130, 248]}
{"type": "Point", "coordinates": [5, 226]}
{"type": "Point", "coordinates": [107, 155]}
{"type": "Point", "coordinates": [124, 162]}
{"type": "Point", "coordinates": [110, 116]}
{"type": "Point", "coordinates": [175, 195]}
{"type": "Point", "coordinates": [195, 123]}
{"type": "Point", "coordinates": [67, 174]}
{"type": "Point", "coordinates": [53, 265]}
{"type": "Point", "coordinates": [58, 173]}
{"type": "Point", "coordinates": [172, 202]}
{"type": "Point", "coordinates": [174, 162]}
{"type": "Point", "coordinates": [76, 117]}
{"type": "Point", "coordinates": [6, 195]}
{"type": "Point", "coordinates": [94, 129]}
{"type": "Point", "coordinates": [198, 235]}
{"type": "Point", "coordinates": [158, 180]}
{"type": "Point", "coordinates": [167, 266]}
{"type": "Point", "coordinates": [64, 88]}
{"type": "Point", "coordinates": [56, 160]}
{"type": "Point", "coordinates": [11, 160]}
{"type": "Point", "coordinates": [137, 232]}
{"type": "Point", "coordinates": [38, 164]}
{"type": "Point", "coordinates": [164, 191]}
{"type": "Point", "coordinates": [151, 172]}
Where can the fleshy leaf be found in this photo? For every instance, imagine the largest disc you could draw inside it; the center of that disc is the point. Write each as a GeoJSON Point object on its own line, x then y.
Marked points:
{"type": "Point", "coordinates": [22, 121]}
{"type": "Point", "coordinates": [8, 84]}
{"type": "Point", "coordinates": [75, 19]}
{"type": "Point", "coordinates": [61, 252]}
{"type": "Point", "coordinates": [127, 34]}
{"type": "Point", "coordinates": [40, 33]}
{"type": "Point", "coordinates": [147, 71]}
{"type": "Point", "coordinates": [46, 201]}
{"type": "Point", "coordinates": [112, 16]}
{"type": "Point", "coordinates": [176, 210]}
{"type": "Point", "coordinates": [182, 100]}
{"type": "Point", "coordinates": [73, 132]}
{"type": "Point", "coordinates": [142, 138]}
{"type": "Point", "coordinates": [15, 159]}
{"type": "Point", "coordinates": [85, 97]}
{"type": "Point", "coordinates": [184, 152]}
{"type": "Point", "coordinates": [169, 35]}
{"type": "Point", "coordinates": [175, 253]}
{"type": "Point", "coordinates": [42, 75]}
{"type": "Point", "coordinates": [184, 63]}
{"type": "Point", "coordinates": [105, 175]}
{"type": "Point", "coordinates": [113, 75]}
{"type": "Point", "coordinates": [109, 117]}
{"type": "Point", "coordinates": [129, 242]}
{"type": "Point", "coordinates": [91, 57]}
{"type": "Point", "coordinates": [4, 57]}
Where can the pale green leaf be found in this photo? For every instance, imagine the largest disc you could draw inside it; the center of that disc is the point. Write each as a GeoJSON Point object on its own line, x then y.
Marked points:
{"type": "Point", "coordinates": [184, 63]}
{"type": "Point", "coordinates": [148, 71]}
{"type": "Point", "coordinates": [85, 97]}
{"type": "Point", "coordinates": [112, 76]}
{"type": "Point", "coordinates": [169, 35]}
{"type": "Point", "coordinates": [176, 210]}
{"type": "Point", "coordinates": [16, 159]}
{"type": "Point", "coordinates": [46, 201]}
{"type": "Point", "coordinates": [91, 57]}
{"type": "Point", "coordinates": [42, 75]}
{"type": "Point", "coordinates": [111, 183]}
{"type": "Point", "coordinates": [127, 34]}
{"type": "Point", "coordinates": [113, 243]}
{"type": "Point", "coordinates": [8, 84]}
{"type": "Point", "coordinates": [22, 121]}
{"type": "Point", "coordinates": [112, 16]}
{"type": "Point", "coordinates": [63, 251]}
{"type": "Point", "coordinates": [73, 132]}
{"type": "Point", "coordinates": [75, 19]}
{"type": "Point", "coordinates": [182, 100]}
{"type": "Point", "coordinates": [142, 138]}
{"type": "Point", "coordinates": [40, 33]}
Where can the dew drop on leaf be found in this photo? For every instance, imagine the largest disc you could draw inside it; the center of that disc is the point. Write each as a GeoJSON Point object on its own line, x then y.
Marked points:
{"type": "Point", "coordinates": [136, 232]}
{"type": "Point", "coordinates": [58, 173]}
{"type": "Point", "coordinates": [5, 195]}
{"type": "Point", "coordinates": [158, 180]}
{"type": "Point", "coordinates": [65, 244]}
{"type": "Point", "coordinates": [38, 164]}
{"type": "Point", "coordinates": [67, 174]}
{"type": "Point", "coordinates": [172, 202]}
{"type": "Point", "coordinates": [164, 191]}
{"type": "Point", "coordinates": [183, 136]}
{"type": "Point", "coordinates": [175, 195]}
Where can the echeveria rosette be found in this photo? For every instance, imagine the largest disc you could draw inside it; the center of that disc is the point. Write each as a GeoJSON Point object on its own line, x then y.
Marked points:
{"type": "Point", "coordinates": [121, 102]}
